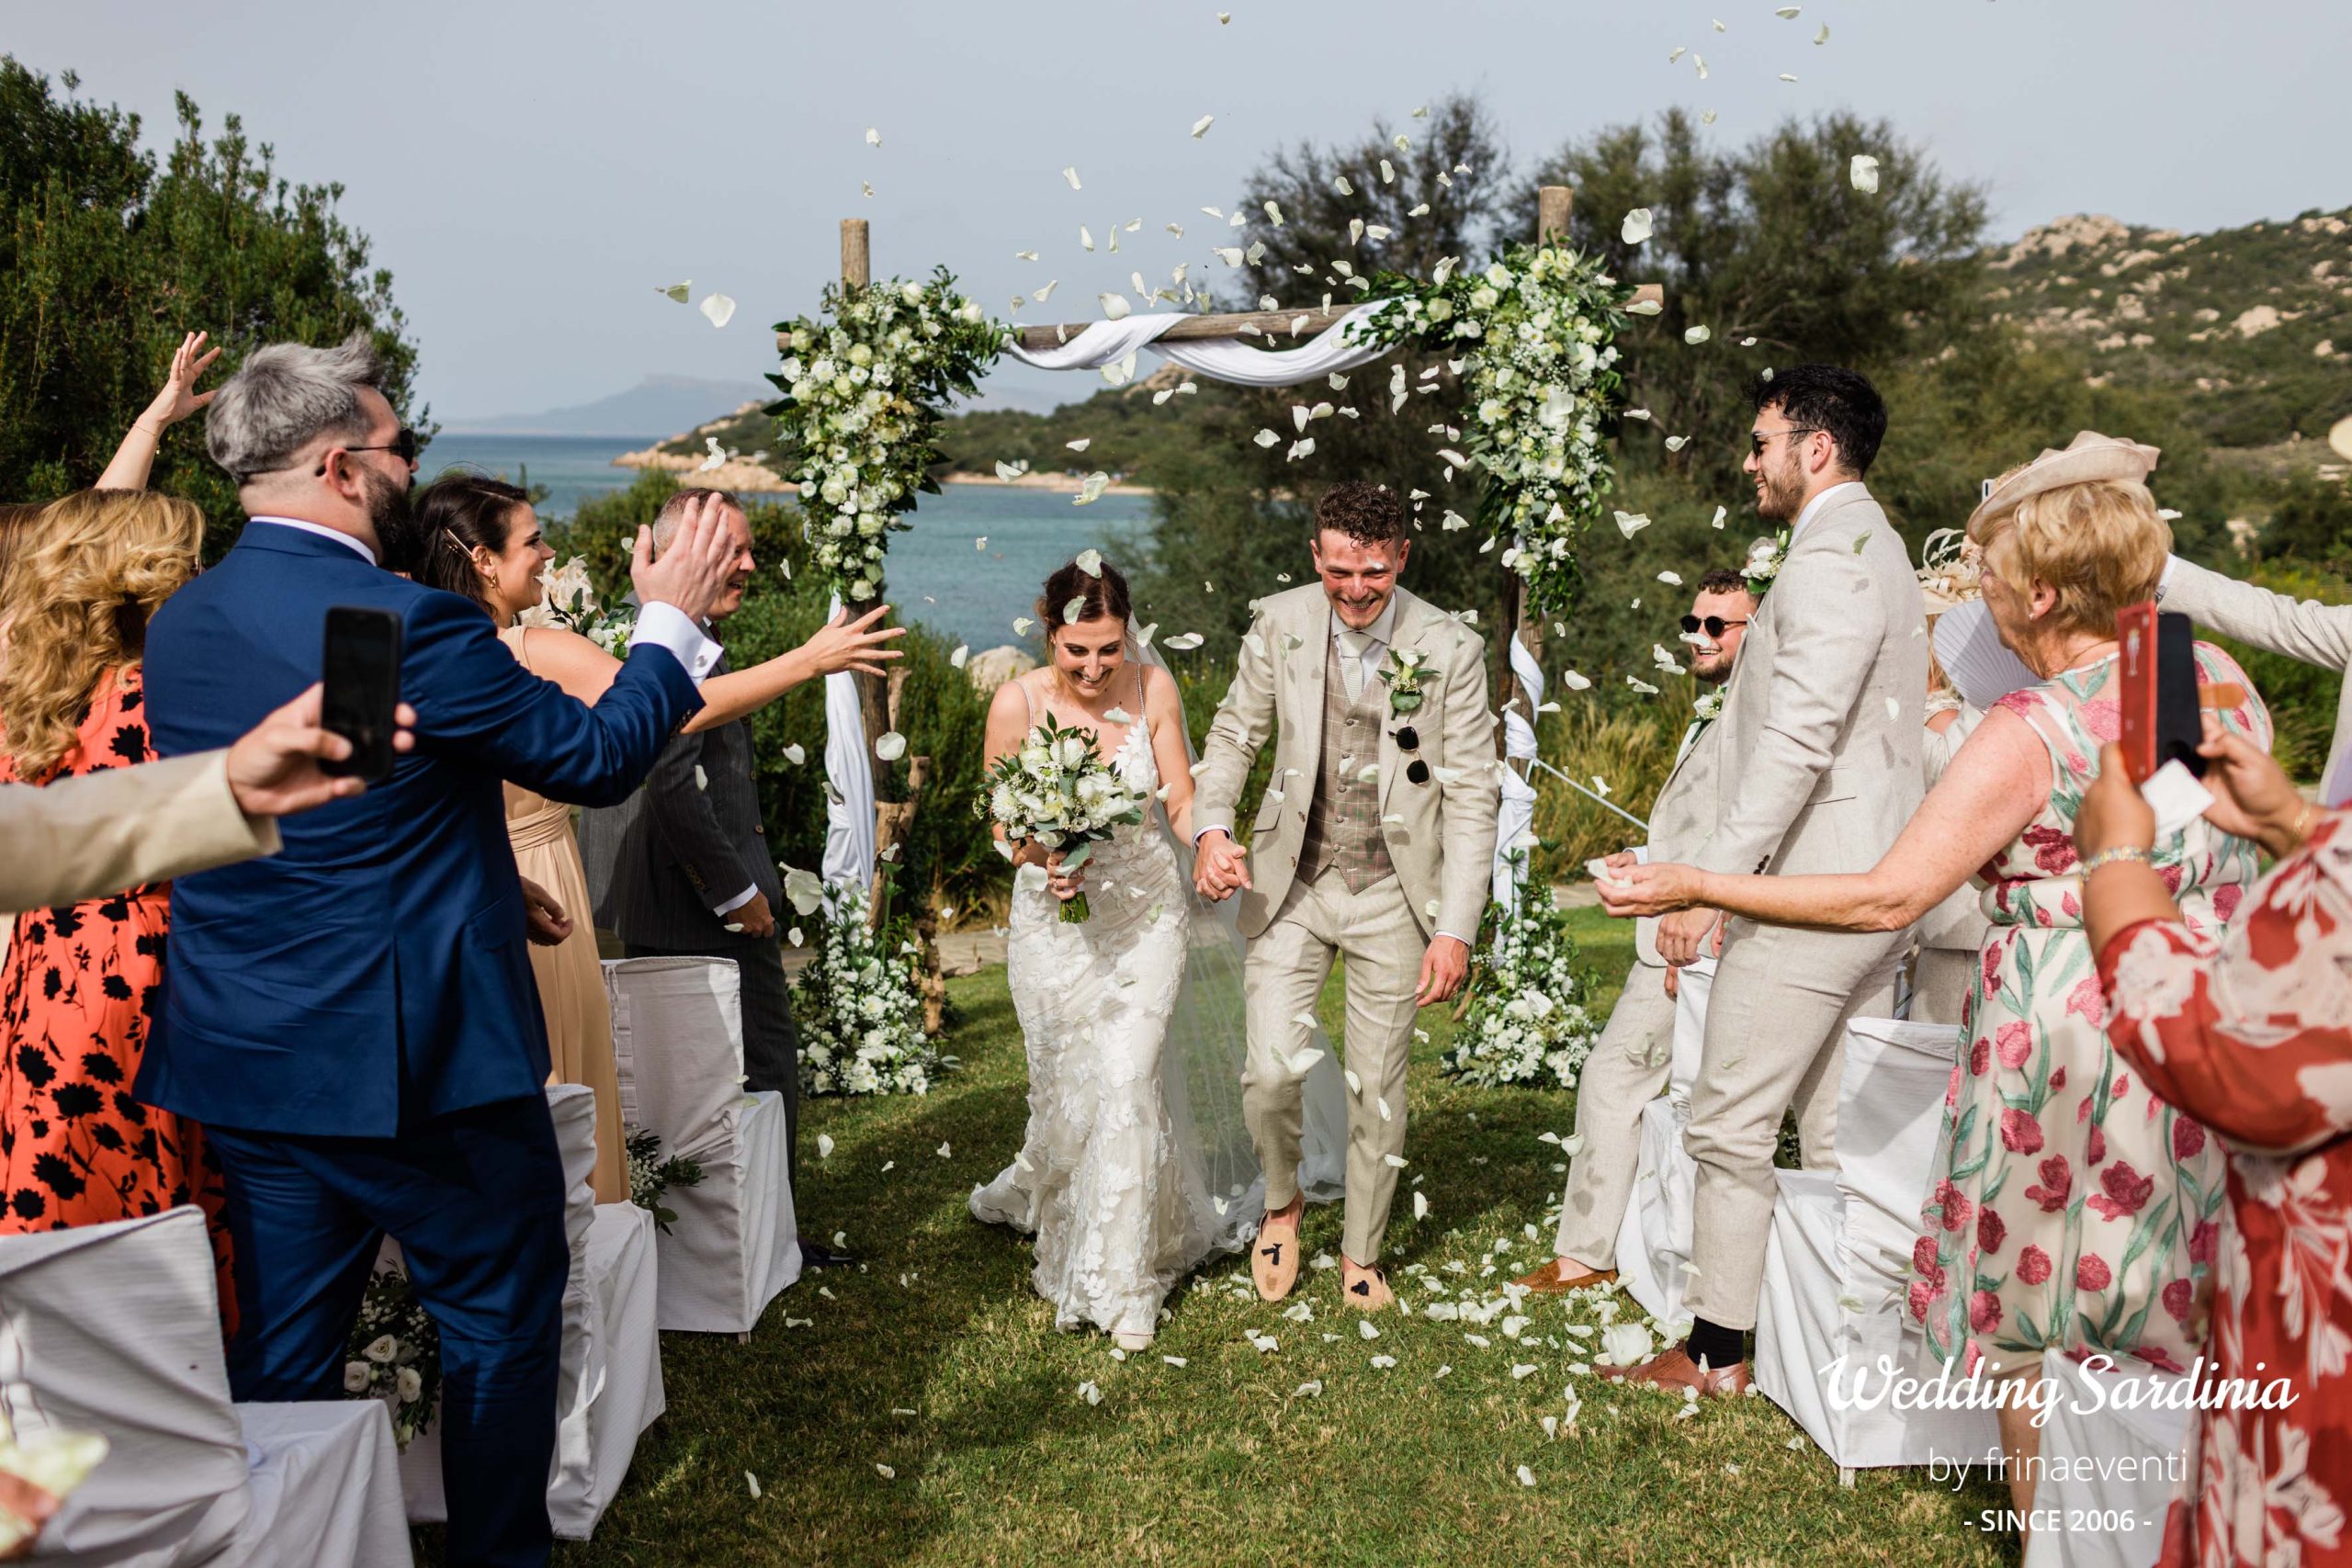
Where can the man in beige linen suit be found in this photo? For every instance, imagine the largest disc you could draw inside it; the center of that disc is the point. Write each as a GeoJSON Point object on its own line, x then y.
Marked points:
{"type": "Point", "coordinates": [1631, 1062]}
{"type": "Point", "coordinates": [1821, 742]}
{"type": "Point", "coordinates": [1376, 841]}
{"type": "Point", "coordinates": [83, 836]}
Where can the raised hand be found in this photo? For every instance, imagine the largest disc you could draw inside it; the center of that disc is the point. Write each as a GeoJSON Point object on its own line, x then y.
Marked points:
{"type": "Point", "coordinates": [179, 397]}
{"type": "Point", "coordinates": [1220, 869]}
{"type": "Point", "coordinates": [695, 567]}
{"type": "Point", "coordinates": [274, 768]}
{"type": "Point", "coordinates": [843, 644]}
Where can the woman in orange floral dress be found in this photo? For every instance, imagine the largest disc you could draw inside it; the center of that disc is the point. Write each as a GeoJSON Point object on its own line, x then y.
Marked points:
{"type": "Point", "coordinates": [80, 981]}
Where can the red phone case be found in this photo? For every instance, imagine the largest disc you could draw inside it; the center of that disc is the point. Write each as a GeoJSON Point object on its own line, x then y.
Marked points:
{"type": "Point", "coordinates": [2135, 632]}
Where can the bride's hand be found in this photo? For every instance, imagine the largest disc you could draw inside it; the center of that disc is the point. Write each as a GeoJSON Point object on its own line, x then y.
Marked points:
{"type": "Point", "coordinates": [1064, 885]}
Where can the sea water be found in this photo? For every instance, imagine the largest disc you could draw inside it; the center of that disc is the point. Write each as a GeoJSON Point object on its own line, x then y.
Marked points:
{"type": "Point", "coordinates": [940, 574]}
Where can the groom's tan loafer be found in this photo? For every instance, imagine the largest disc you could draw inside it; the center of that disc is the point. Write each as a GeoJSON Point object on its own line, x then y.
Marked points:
{"type": "Point", "coordinates": [1546, 1281]}
{"type": "Point", "coordinates": [1273, 1262]}
{"type": "Point", "coordinates": [1370, 1294]}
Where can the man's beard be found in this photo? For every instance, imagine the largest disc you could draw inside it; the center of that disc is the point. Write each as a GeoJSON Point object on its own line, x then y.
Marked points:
{"type": "Point", "coordinates": [1714, 676]}
{"type": "Point", "coordinates": [1782, 495]}
{"type": "Point", "coordinates": [394, 520]}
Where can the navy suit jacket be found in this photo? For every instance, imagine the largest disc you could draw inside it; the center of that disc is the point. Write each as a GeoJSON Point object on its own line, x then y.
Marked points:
{"type": "Point", "coordinates": [375, 970]}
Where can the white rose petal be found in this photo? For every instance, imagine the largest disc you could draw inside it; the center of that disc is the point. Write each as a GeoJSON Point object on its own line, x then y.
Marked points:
{"type": "Point", "coordinates": [1201, 126]}
{"type": "Point", "coordinates": [1638, 226]}
{"type": "Point", "coordinates": [718, 308]}
{"type": "Point", "coordinates": [1526, 1476]}
{"type": "Point", "coordinates": [889, 746]}
{"type": "Point", "coordinates": [1091, 489]}
{"type": "Point", "coordinates": [1862, 171]}
{"type": "Point", "coordinates": [1071, 175]}
{"type": "Point", "coordinates": [1696, 336]}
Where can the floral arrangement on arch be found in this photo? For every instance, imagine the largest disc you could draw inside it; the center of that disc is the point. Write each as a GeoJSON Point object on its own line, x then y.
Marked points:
{"type": "Point", "coordinates": [395, 1354]}
{"type": "Point", "coordinates": [859, 1012]}
{"type": "Point", "coordinates": [570, 604]}
{"type": "Point", "coordinates": [864, 383]}
{"type": "Point", "coordinates": [1527, 1022]}
{"type": "Point", "coordinates": [1537, 327]}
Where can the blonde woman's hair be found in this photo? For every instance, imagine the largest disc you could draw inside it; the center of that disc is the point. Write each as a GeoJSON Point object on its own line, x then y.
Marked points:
{"type": "Point", "coordinates": [86, 574]}
{"type": "Point", "coordinates": [2100, 545]}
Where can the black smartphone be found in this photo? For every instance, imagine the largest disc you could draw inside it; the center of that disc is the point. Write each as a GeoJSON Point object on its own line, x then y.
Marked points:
{"type": "Point", "coordinates": [363, 688]}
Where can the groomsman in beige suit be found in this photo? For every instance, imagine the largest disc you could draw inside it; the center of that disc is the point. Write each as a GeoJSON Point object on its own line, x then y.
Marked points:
{"type": "Point", "coordinates": [1375, 842]}
{"type": "Point", "coordinates": [1820, 745]}
{"type": "Point", "coordinates": [1630, 1063]}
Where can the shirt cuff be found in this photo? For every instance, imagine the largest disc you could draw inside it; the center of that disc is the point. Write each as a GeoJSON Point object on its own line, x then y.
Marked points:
{"type": "Point", "coordinates": [1200, 833]}
{"type": "Point", "coordinates": [737, 902]}
{"type": "Point", "coordinates": [666, 626]}
{"type": "Point", "coordinates": [1462, 939]}
{"type": "Point", "coordinates": [2163, 583]}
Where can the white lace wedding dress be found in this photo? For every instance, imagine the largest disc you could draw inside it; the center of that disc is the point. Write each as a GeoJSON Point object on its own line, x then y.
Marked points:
{"type": "Point", "coordinates": [1107, 1179]}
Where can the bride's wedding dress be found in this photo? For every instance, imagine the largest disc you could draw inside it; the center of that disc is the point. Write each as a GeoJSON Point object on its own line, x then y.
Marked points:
{"type": "Point", "coordinates": [1110, 1177]}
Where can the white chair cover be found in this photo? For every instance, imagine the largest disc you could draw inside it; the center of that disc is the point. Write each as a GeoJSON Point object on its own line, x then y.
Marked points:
{"type": "Point", "coordinates": [594, 1439]}
{"type": "Point", "coordinates": [116, 1329]}
{"type": "Point", "coordinates": [677, 1031]}
{"type": "Point", "coordinates": [1654, 1242]}
{"type": "Point", "coordinates": [1837, 1261]}
{"type": "Point", "coordinates": [2085, 1425]}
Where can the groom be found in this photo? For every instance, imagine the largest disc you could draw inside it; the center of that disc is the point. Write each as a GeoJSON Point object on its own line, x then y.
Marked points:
{"type": "Point", "coordinates": [1375, 840]}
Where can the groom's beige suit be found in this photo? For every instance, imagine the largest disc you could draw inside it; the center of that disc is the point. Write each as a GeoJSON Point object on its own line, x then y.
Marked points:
{"type": "Point", "coordinates": [1351, 855]}
{"type": "Point", "coordinates": [1820, 739]}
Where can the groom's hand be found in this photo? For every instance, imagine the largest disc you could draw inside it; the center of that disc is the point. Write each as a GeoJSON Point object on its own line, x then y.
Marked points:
{"type": "Point", "coordinates": [1219, 868]}
{"type": "Point", "coordinates": [1685, 935]}
{"type": "Point", "coordinates": [1445, 966]}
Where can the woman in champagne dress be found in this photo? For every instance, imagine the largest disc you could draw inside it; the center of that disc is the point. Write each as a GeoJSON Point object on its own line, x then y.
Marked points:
{"type": "Point", "coordinates": [480, 538]}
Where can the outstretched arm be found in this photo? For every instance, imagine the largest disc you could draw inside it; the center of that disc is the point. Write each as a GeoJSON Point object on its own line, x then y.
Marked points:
{"type": "Point", "coordinates": [1987, 797]}
{"type": "Point", "coordinates": [1163, 708]}
{"type": "Point", "coordinates": [2306, 629]}
{"type": "Point", "coordinates": [586, 671]}
{"type": "Point", "coordinates": [135, 459]}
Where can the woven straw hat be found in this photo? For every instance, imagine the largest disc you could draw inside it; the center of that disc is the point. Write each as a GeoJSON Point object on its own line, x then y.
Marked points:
{"type": "Point", "coordinates": [2087, 459]}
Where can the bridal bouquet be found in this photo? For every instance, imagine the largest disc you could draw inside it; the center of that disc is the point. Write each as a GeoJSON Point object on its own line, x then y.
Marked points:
{"type": "Point", "coordinates": [1057, 791]}
{"type": "Point", "coordinates": [571, 602]}
{"type": "Point", "coordinates": [395, 1354]}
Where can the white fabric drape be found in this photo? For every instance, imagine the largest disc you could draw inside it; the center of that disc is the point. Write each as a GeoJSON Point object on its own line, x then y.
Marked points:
{"type": "Point", "coordinates": [849, 805]}
{"type": "Point", "coordinates": [1517, 818]}
{"type": "Point", "coordinates": [1220, 359]}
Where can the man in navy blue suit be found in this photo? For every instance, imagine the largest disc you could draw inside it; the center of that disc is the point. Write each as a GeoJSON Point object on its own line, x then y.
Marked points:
{"type": "Point", "coordinates": [353, 1019]}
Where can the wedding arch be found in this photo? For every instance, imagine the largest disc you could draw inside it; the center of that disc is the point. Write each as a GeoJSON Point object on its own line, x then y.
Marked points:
{"type": "Point", "coordinates": [939, 341]}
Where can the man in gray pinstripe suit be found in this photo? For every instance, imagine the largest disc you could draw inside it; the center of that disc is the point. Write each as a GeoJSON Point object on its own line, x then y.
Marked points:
{"type": "Point", "coordinates": [684, 867]}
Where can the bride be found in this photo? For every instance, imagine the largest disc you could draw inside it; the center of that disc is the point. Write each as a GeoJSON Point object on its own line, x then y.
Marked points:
{"type": "Point", "coordinates": [1136, 1165]}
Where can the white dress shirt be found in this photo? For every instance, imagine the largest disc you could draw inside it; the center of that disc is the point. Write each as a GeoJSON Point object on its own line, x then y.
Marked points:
{"type": "Point", "coordinates": [1815, 507]}
{"type": "Point", "coordinates": [1360, 652]}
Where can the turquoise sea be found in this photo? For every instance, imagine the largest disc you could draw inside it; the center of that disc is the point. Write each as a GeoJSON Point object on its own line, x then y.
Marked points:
{"type": "Point", "coordinates": [937, 576]}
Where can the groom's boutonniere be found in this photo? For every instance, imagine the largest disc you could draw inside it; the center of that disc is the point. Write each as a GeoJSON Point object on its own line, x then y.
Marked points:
{"type": "Point", "coordinates": [1403, 673]}
{"type": "Point", "coordinates": [1710, 706]}
{"type": "Point", "coordinates": [1764, 562]}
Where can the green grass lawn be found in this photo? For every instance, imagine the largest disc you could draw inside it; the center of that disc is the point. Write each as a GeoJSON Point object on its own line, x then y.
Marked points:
{"type": "Point", "coordinates": [939, 1362]}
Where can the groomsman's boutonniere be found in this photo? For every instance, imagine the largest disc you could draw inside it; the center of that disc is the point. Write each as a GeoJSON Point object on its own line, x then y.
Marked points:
{"type": "Point", "coordinates": [1403, 673]}
{"type": "Point", "coordinates": [1710, 706]}
{"type": "Point", "coordinates": [1764, 562]}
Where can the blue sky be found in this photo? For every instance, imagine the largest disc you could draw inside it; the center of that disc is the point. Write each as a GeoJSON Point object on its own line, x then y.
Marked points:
{"type": "Point", "coordinates": [532, 172]}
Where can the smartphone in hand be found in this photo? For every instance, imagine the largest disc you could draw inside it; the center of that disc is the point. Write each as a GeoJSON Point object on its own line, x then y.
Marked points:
{"type": "Point", "coordinates": [363, 688]}
{"type": "Point", "coordinates": [2161, 720]}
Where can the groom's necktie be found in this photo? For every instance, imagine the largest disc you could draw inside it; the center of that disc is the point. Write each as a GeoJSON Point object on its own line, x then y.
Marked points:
{"type": "Point", "coordinates": [1353, 646]}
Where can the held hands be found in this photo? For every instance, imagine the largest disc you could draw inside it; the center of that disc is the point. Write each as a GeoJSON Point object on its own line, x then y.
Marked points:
{"type": "Point", "coordinates": [1220, 869]}
{"type": "Point", "coordinates": [843, 644]}
{"type": "Point", "coordinates": [543, 918]}
{"type": "Point", "coordinates": [179, 397]}
{"type": "Point", "coordinates": [2112, 812]}
{"type": "Point", "coordinates": [274, 767]}
{"type": "Point", "coordinates": [2252, 795]}
{"type": "Point", "coordinates": [695, 566]}
{"type": "Point", "coordinates": [1445, 966]}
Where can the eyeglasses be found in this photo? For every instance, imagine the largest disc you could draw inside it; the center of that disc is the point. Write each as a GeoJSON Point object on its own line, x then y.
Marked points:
{"type": "Point", "coordinates": [1759, 439]}
{"type": "Point", "coordinates": [1714, 625]}
{"type": "Point", "coordinates": [404, 446]}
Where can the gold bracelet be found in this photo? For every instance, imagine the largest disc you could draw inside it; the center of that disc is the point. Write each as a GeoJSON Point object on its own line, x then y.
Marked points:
{"type": "Point", "coordinates": [2301, 831]}
{"type": "Point", "coordinates": [2113, 853]}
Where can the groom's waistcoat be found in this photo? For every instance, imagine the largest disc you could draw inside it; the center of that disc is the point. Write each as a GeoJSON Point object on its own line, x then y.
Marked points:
{"type": "Point", "coordinates": [1343, 823]}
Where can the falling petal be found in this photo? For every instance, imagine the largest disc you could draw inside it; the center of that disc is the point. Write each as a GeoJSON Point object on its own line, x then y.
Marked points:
{"type": "Point", "coordinates": [1071, 611]}
{"type": "Point", "coordinates": [1631, 523]}
{"type": "Point", "coordinates": [1042, 295]}
{"type": "Point", "coordinates": [718, 308]}
{"type": "Point", "coordinates": [1201, 126]}
{"type": "Point", "coordinates": [1823, 36]}
{"type": "Point", "coordinates": [1721, 513]}
{"type": "Point", "coordinates": [678, 291]}
{"type": "Point", "coordinates": [873, 137]}
{"type": "Point", "coordinates": [1862, 171]}
{"type": "Point", "coordinates": [889, 746]}
{"type": "Point", "coordinates": [1091, 489]}
{"type": "Point", "coordinates": [1638, 226]}
{"type": "Point", "coordinates": [795, 754]}
{"type": "Point", "coordinates": [1080, 444]}
{"type": "Point", "coordinates": [1071, 175]}
{"type": "Point", "coordinates": [1009, 472]}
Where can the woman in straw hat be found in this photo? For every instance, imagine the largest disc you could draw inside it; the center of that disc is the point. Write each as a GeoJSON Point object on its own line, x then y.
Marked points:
{"type": "Point", "coordinates": [2071, 1209]}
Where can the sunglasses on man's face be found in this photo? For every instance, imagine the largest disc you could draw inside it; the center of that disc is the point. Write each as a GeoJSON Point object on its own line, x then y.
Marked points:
{"type": "Point", "coordinates": [403, 446]}
{"type": "Point", "coordinates": [1713, 625]}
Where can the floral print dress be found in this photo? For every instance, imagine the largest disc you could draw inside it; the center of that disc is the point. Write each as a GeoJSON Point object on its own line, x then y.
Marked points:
{"type": "Point", "coordinates": [2074, 1208]}
{"type": "Point", "coordinates": [77, 994]}
{"type": "Point", "coordinates": [2254, 1032]}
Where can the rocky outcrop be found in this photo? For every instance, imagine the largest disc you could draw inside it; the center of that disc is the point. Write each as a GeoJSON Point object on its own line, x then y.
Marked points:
{"type": "Point", "coordinates": [993, 669]}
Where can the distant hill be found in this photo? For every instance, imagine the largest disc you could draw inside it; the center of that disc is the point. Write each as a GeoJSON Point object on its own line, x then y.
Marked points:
{"type": "Point", "coordinates": [2252, 326]}
{"type": "Point", "coordinates": [653, 407]}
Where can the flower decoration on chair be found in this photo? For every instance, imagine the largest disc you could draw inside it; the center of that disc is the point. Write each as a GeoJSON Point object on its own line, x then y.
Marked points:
{"type": "Point", "coordinates": [571, 602]}
{"type": "Point", "coordinates": [859, 1010]}
{"type": "Point", "coordinates": [864, 384]}
{"type": "Point", "coordinates": [1538, 328]}
{"type": "Point", "coordinates": [651, 1176]}
{"type": "Point", "coordinates": [395, 1355]}
{"type": "Point", "coordinates": [1526, 1022]}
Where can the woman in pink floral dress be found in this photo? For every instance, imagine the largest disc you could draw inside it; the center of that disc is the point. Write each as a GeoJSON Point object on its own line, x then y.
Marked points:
{"type": "Point", "coordinates": [2071, 1208]}
{"type": "Point", "coordinates": [2254, 1033]}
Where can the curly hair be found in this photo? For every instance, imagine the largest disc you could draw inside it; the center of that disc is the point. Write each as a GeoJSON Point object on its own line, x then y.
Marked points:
{"type": "Point", "coordinates": [85, 578]}
{"type": "Point", "coordinates": [1369, 514]}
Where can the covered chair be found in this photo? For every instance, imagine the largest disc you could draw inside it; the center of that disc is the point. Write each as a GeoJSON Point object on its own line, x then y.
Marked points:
{"type": "Point", "coordinates": [1654, 1241]}
{"type": "Point", "coordinates": [115, 1329]}
{"type": "Point", "coordinates": [678, 1032]}
{"type": "Point", "coordinates": [1838, 1262]}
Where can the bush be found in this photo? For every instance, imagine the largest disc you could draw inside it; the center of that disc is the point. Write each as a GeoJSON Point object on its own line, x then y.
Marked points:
{"type": "Point", "coordinates": [1631, 748]}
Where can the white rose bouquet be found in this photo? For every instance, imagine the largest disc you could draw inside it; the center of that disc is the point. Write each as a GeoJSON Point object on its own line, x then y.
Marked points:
{"type": "Point", "coordinates": [395, 1355]}
{"type": "Point", "coordinates": [1059, 793]}
{"type": "Point", "coordinates": [570, 604]}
